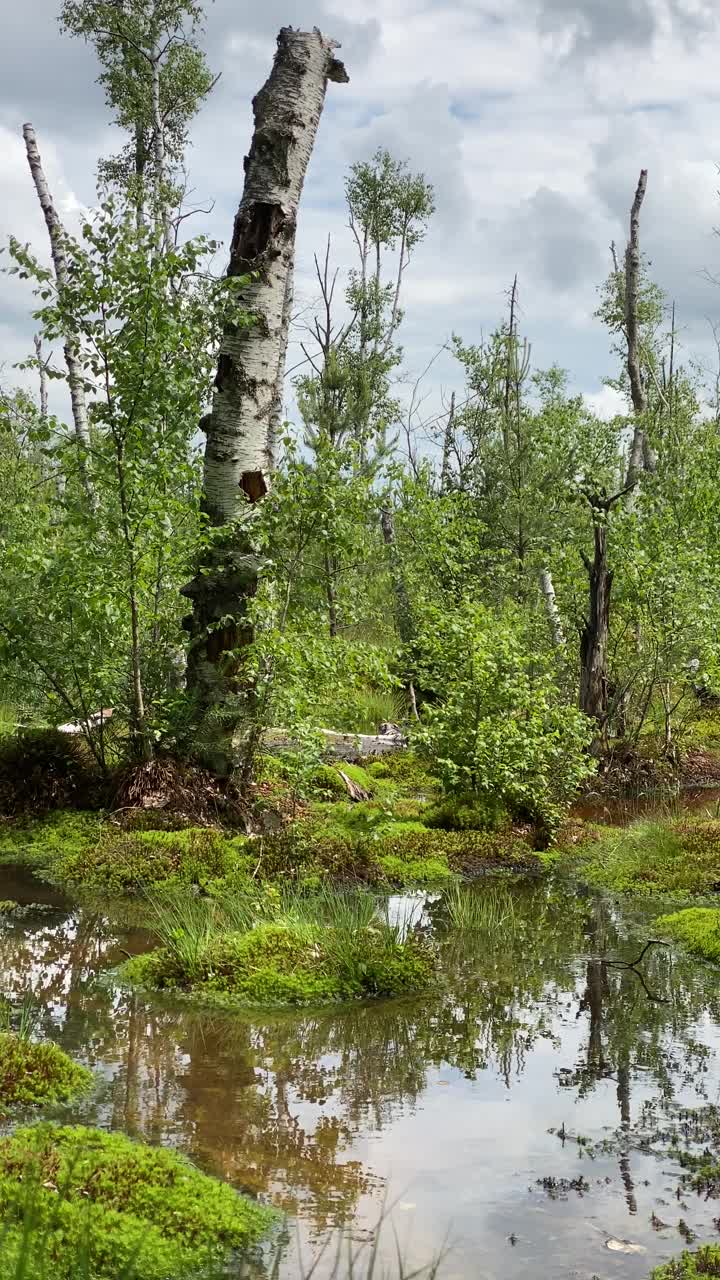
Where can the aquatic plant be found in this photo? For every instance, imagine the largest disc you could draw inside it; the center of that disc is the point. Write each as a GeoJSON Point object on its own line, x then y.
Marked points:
{"type": "Point", "coordinates": [124, 1208]}
{"type": "Point", "coordinates": [705, 1262]}
{"type": "Point", "coordinates": [290, 948]}
{"type": "Point", "coordinates": [33, 1074]}
{"type": "Point", "coordinates": [487, 909]}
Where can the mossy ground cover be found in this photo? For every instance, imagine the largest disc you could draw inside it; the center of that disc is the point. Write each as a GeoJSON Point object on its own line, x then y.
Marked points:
{"type": "Point", "coordinates": [261, 952]}
{"type": "Point", "coordinates": [678, 857]}
{"type": "Point", "coordinates": [698, 928]}
{"type": "Point", "coordinates": [100, 1205]}
{"type": "Point", "coordinates": [34, 1074]}
{"type": "Point", "coordinates": [399, 838]}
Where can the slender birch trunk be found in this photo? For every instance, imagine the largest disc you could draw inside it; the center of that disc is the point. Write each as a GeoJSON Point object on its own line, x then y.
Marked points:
{"type": "Point", "coordinates": [240, 428]}
{"type": "Point", "coordinates": [551, 608]}
{"type": "Point", "coordinates": [162, 213]}
{"type": "Point", "coordinates": [72, 359]}
{"type": "Point", "coordinates": [42, 375]}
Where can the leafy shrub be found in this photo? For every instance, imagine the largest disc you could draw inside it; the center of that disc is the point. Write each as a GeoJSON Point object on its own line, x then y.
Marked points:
{"type": "Point", "coordinates": [33, 1074]}
{"type": "Point", "coordinates": [43, 769]}
{"type": "Point", "coordinates": [706, 1262]}
{"type": "Point", "coordinates": [139, 1209]}
{"type": "Point", "coordinates": [499, 728]}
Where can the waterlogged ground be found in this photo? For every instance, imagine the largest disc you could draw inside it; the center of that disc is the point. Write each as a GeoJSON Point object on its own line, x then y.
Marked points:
{"type": "Point", "coordinates": [446, 1109]}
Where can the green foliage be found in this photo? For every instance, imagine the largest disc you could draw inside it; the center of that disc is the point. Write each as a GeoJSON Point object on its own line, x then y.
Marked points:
{"type": "Point", "coordinates": [44, 842]}
{"type": "Point", "coordinates": [464, 852]}
{"type": "Point", "coordinates": [698, 928]}
{"type": "Point", "coordinates": [499, 728]}
{"type": "Point", "coordinates": [34, 1074]}
{"type": "Point", "coordinates": [705, 1262]}
{"type": "Point", "coordinates": [308, 950]}
{"type": "Point", "coordinates": [679, 857]}
{"type": "Point", "coordinates": [469, 812]}
{"type": "Point", "coordinates": [126, 862]}
{"type": "Point", "coordinates": [139, 1210]}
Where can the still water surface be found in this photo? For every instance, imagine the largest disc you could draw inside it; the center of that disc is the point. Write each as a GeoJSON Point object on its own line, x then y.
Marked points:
{"type": "Point", "coordinates": [440, 1108]}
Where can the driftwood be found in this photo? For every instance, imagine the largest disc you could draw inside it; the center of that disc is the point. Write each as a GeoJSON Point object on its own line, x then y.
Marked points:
{"type": "Point", "coordinates": [355, 791]}
{"type": "Point", "coordinates": [344, 746]}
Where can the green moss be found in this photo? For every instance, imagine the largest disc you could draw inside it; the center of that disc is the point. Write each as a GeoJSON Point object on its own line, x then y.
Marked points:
{"type": "Point", "coordinates": [326, 782]}
{"type": "Point", "coordinates": [144, 1211]}
{"type": "Point", "coordinates": [705, 1262]}
{"type": "Point", "coordinates": [680, 857]}
{"type": "Point", "coordinates": [41, 842]}
{"type": "Point", "coordinates": [406, 872]}
{"type": "Point", "coordinates": [408, 772]}
{"type": "Point", "coordinates": [467, 812]}
{"type": "Point", "coordinates": [35, 1074]}
{"type": "Point", "coordinates": [464, 852]}
{"type": "Point", "coordinates": [123, 862]}
{"type": "Point", "coordinates": [289, 963]}
{"type": "Point", "coordinates": [698, 928]}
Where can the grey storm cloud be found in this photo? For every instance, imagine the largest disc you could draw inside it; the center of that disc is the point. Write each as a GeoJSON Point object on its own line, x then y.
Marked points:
{"type": "Point", "coordinates": [595, 25]}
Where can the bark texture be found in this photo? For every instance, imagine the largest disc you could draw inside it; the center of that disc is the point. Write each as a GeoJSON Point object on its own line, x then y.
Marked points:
{"type": "Point", "coordinates": [248, 387]}
{"type": "Point", "coordinates": [547, 587]}
{"type": "Point", "coordinates": [595, 633]}
{"type": "Point", "coordinates": [57, 249]}
{"type": "Point", "coordinates": [641, 456]}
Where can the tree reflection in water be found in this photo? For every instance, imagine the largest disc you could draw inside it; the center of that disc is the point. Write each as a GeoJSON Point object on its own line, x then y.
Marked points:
{"type": "Point", "coordinates": [279, 1104]}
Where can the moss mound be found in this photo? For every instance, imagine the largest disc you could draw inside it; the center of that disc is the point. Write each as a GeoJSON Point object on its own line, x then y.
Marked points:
{"type": "Point", "coordinates": [122, 862]}
{"type": "Point", "coordinates": [118, 1206]}
{"type": "Point", "coordinates": [281, 963]}
{"type": "Point", "coordinates": [706, 1262]}
{"type": "Point", "coordinates": [34, 1074]}
{"type": "Point", "coordinates": [680, 857]}
{"type": "Point", "coordinates": [698, 928]}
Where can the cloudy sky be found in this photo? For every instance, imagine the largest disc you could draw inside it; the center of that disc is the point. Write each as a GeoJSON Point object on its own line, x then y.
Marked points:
{"type": "Point", "coordinates": [532, 118]}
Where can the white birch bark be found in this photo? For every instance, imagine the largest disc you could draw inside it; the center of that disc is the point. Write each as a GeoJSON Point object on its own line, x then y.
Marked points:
{"type": "Point", "coordinates": [42, 375]}
{"type": "Point", "coordinates": [247, 400]}
{"type": "Point", "coordinates": [57, 249]}
{"type": "Point", "coordinates": [238, 457]}
{"type": "Point", "coordinates": [551, 608]}
{"type": "Point", "coordinates": [162, 213]}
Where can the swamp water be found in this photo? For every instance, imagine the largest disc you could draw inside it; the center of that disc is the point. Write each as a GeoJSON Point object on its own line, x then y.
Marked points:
{"type": "Point", "coordinates": [448, 1110]}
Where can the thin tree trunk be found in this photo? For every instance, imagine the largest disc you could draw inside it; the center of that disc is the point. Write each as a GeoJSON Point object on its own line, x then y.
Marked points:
{"type": "Point", "coordinates": [238, 454]}
{"type": "Point", "coordinates": [551, 608]}
{"type": "Point", "coordinates": [640, 452]}
{"type": "Point", "coordinates": [72, 360]}
{"type": "Point", "coordinates": [403, 611]}
{"type": "Point", "coordinates": [330, 595]}
{"type": "Point", "coordinates": [595, 633]}
{"type": "Point", "coordinates": [42, 374]}
{"type": "Point", "coordinates": [447, 446]}
{"type": "Point", "coordinates": [162, 213]}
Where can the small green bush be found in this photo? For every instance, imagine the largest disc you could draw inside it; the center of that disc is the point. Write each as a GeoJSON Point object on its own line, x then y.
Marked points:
{"type": "Point", "coordinates": [706, 1262]}
{"type": "Point", "coordinates": [33, 1074]}
{"type": "Point", "coordinates": [138, 1209]}
{"type": "Point", "coordinates": [43, 769]}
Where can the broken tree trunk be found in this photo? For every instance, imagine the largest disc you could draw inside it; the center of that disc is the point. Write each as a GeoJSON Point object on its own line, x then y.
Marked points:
{"type": "Point", "coordinates": [241, 426]}
{"type": "Point", "coordinates": [641, 457]}
{"type": "Point", "coordinates": [76, 381]}
{"type": "Point", "coordinates": [595, 633]}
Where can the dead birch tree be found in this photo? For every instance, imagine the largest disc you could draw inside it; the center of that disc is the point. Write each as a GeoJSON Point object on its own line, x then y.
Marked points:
{"type": "Point", "coordinates": [241, 425]}
{"type": "Point", "coordinates": [76, 381]}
